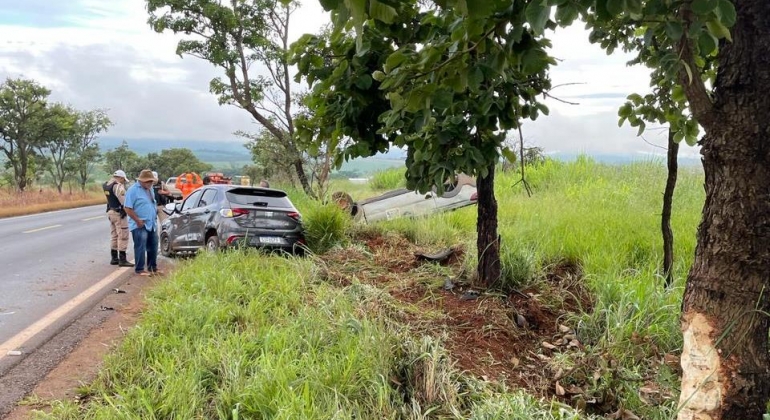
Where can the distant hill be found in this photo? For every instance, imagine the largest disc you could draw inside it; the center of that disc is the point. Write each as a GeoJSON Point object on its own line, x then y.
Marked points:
{"type": "Point", "coordinates": [144, 146]}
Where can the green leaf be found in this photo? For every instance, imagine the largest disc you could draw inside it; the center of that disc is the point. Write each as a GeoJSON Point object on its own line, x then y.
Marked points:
{"type": "Point", "coordinates": [357, 10]}
{"type": "Point", "coordinates": [726, 12]}
{"type": "Point", "coordinates": [378, 75]}
{"type": "Point", "coordinates": [442, 99]}
{"type": "Point", "coordinates": [642, 126]}
{"type": "Point", "coordinates": [719, 30]}
{"type": "Point", "coordinates": [703, 7]}
{"type": "Point", "coordinates": [509, 154]}
{"type": "Point", "coordinates": [706, 43]}
{"type": "Point", "coordinates": [475, 78]}
{"type": "Point", "coordinates": [537, 14]}
{"type": "Point", "coordinates": [364, 81]}
{"type": "Point", "coordinates": [688, 70]}
{"type": "Point", "coordinates": [566, 14]}
{"type": "Point", "coordinates": [329, 4]}
{"type": "Point", "coordinates": [394, 60]}
{"type": "Point", "coordinates": [635, 98]}
{"type": "Point", "coordinates": [415, 102]}
{"type": "Point", "coordinates": [626, 110]}
{"type": "Point", "coordinates": [674, 30]}
{"type": "Point", "coordinates": [381, 11]}
{"type": "Point", "coordinates": [480, 8]}
{"type": "Point", "coordinates": [615, 7]}
{"type": "Point", "coordinates": [677, 94]}
{"type": "Point", "coordinates": [634, 7]}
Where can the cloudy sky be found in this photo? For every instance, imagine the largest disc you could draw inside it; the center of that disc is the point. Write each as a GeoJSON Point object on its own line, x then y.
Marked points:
{"type": "Point", "coordinates": [102, 54]}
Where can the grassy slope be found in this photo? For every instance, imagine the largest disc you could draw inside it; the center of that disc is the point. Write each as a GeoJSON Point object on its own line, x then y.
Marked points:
{"type": "Point", "coordinates": [248, 336]}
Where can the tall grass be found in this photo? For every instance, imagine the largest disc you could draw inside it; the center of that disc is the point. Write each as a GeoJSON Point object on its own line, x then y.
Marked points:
{"type": "Point", "coordinates": [389, 179]}
{"type": "Point", "coordinates": [325, 227]}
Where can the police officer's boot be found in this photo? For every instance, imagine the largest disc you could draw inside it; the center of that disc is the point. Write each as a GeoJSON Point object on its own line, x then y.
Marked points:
{"type": "Point", "coordinates": [114, 260]}
{"type": "Point", "coordinates": [123, 262]}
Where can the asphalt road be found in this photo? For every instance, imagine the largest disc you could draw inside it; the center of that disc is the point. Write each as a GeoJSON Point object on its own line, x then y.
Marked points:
{"type": "Point", "coordinates": [46, 260]}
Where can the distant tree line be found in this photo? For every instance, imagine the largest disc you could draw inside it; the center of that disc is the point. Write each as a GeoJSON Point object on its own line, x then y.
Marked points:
{"type": "Point", "coordinates": [169, 162]}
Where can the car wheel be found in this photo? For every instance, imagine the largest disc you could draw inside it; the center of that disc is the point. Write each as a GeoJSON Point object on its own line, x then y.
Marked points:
{"type": "Point", "coordinates": [212, 243]}
{"type": "Point", "coordinates": [165, 245]}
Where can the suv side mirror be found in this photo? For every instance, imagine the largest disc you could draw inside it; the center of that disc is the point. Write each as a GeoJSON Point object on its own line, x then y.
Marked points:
{"type": "Point", "coordinates": [169, 208]}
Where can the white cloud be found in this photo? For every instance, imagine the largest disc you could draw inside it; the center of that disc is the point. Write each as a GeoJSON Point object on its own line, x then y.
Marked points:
{"type": "Point", "coordinates": [102, 54]}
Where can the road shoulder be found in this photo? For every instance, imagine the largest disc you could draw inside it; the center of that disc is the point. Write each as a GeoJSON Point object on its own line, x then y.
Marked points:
{"type": "Point", "coordinates": [74, 357]}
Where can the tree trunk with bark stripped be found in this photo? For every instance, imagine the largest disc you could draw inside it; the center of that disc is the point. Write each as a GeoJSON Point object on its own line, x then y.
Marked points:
{"type": "Point", "coordinates": [725, 308]}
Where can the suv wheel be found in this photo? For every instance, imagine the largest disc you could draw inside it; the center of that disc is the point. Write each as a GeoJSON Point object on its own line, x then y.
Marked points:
{"type": "Point", "coordinates": [165, 245]}
{"type": "Point", "coordinates": [212, 243]}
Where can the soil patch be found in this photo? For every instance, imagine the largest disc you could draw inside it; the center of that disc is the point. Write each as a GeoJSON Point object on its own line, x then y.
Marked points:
{"type": "Point", "coordinates": [505, 338]}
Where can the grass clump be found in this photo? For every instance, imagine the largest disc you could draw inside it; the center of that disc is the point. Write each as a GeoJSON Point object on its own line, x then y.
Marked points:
{"type": "Point", "coordinates": [325, 227]}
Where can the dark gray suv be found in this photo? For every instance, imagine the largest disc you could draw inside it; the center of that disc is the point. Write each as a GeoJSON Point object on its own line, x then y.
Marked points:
{"type": "Point", "coordinates": [220, 216]}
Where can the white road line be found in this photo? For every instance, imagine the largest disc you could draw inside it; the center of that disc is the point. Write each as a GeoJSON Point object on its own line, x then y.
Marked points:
{"type": "Point", "coordinates": [93, 218]}
{"type": "Point", "coordinates": [19, 339]}
{"type": "Point", "coordinates": [42, 228]}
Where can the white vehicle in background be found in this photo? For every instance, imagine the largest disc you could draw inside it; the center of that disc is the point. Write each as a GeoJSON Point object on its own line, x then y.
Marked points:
{"type": "Point", "coordinates": [171, 186]}
{"type": "Point", "coordinates": [409, 203]}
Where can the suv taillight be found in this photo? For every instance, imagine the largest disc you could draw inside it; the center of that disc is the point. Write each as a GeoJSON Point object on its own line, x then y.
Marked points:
{"type": "Point", "coordinates": [294, 215]}
{"type": "Point", "coordinates": [233, 212]}
{"type": "Point", "coordinates": [475, 196]}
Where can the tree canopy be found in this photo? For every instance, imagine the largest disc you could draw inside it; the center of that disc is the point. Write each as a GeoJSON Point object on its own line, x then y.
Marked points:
{"type": "Point", "coordinates": [236, 35]}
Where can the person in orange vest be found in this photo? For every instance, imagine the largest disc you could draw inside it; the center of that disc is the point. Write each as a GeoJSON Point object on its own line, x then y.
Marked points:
{"type": "Point", "coordinates": [190, 182]}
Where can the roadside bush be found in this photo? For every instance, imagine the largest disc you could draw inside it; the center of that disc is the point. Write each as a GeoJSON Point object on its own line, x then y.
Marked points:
{"type": "Point", "coordinates": [390, 179]}
{"type": "Point", "coordinates": [325, 227]}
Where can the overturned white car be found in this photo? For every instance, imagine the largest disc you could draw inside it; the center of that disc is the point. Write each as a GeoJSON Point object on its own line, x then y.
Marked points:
{"type": "Point", "coordinates": [409, 203]}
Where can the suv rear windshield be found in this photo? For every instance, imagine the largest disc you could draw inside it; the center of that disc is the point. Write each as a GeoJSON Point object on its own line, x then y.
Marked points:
{"type": "Point", "coordinates": [258, 198]}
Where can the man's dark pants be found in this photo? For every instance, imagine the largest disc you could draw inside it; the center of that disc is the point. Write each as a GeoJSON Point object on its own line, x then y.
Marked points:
{"type": "Point", "coordinates": [145, 249]}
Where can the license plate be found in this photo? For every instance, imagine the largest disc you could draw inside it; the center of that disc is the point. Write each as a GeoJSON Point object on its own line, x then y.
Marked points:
{"type": "Point", "coordinates": [270, 240]}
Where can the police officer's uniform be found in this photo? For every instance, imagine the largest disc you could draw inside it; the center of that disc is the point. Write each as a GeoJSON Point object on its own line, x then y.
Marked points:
{"type": "Point", "coordinates": [115, 192]}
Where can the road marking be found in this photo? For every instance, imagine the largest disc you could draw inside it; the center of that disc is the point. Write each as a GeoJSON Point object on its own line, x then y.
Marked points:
{"type": "Point", "coordinates": [93, 218]}
{"type": "Point", "coordinates": [42, 228]}
{"type": "Point", "coordinates": [17, 341]}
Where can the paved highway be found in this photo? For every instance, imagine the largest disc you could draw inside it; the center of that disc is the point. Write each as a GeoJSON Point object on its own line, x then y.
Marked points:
{"type": "Point", "coordinates": [46, 260]}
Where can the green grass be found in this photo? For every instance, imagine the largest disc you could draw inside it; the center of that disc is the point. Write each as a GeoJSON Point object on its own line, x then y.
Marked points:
{"type": "Point", "coordinates": [242, 335]}
{"type": "Point", "coordinates": [389, 179]}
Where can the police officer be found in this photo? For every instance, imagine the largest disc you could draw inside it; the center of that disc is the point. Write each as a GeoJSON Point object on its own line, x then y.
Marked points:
{"type": "Point", "coordinates": [115, 191]}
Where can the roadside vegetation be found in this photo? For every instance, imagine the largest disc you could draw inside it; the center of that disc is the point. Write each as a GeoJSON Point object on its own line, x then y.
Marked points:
{"type": "Point", "coordinates": [15, 203]}
{"type": "Point", "coordinates": [580, 325]}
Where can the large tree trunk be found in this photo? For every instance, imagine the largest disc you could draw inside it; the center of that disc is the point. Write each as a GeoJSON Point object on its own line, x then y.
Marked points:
{"type": "Point", "coordinates": [724, 311]}
{"type": "Point", "coordinates": [665, 217]}
{"type": "Point", "coordinates": [487, 242]}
